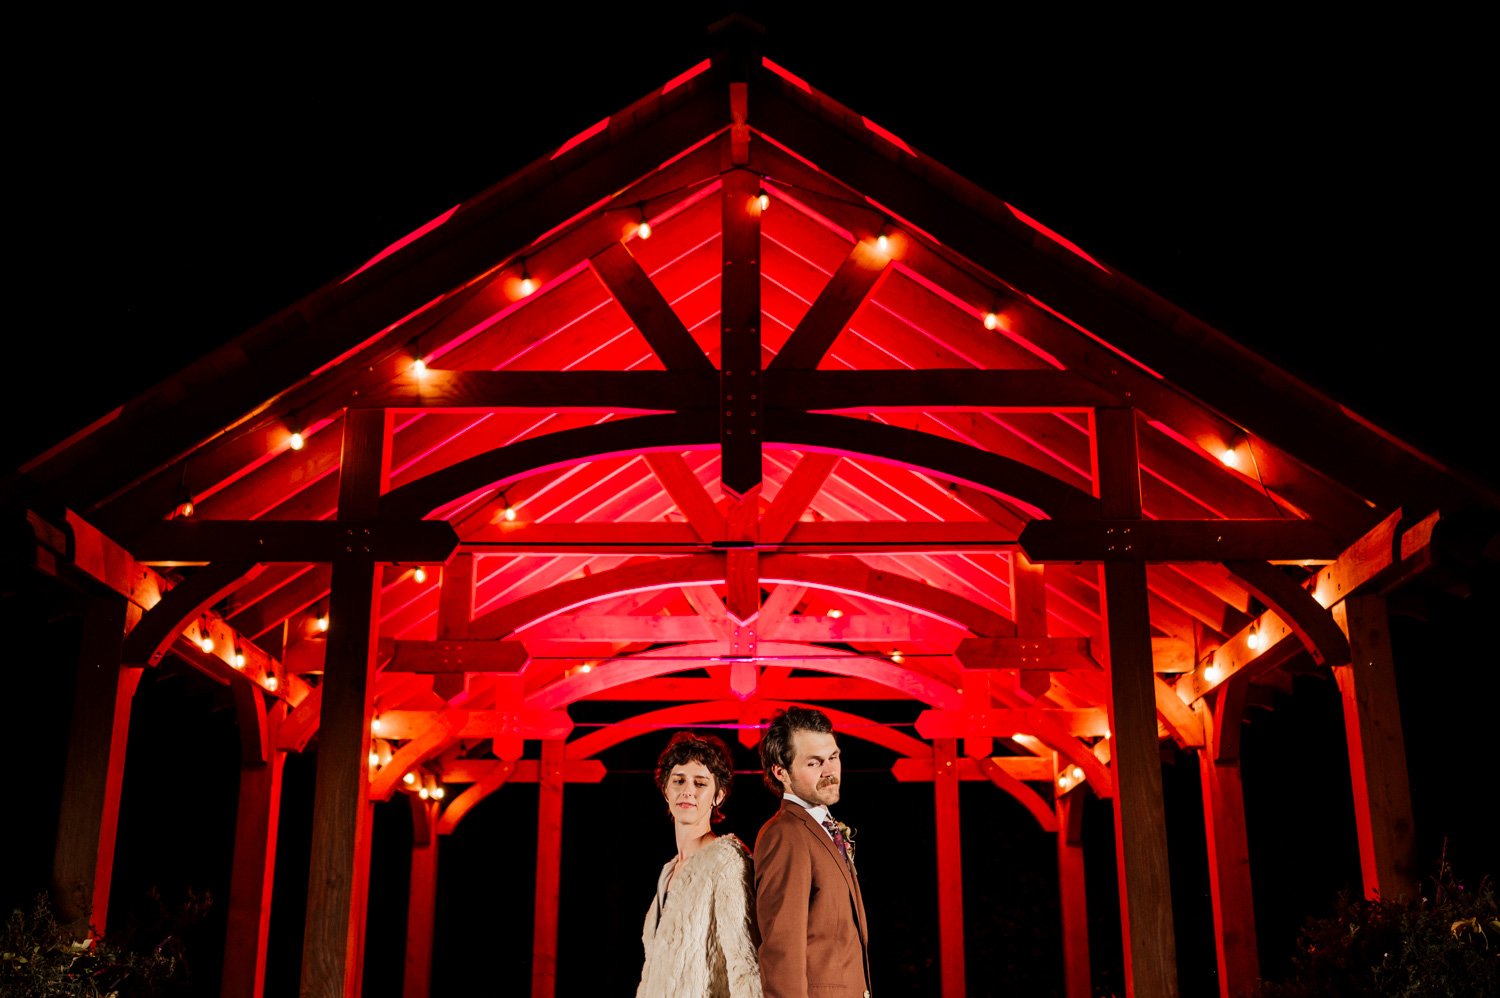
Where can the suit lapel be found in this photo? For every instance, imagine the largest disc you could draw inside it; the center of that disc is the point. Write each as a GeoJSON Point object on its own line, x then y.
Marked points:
{"type": "Point", "coordinates": [818, 832]}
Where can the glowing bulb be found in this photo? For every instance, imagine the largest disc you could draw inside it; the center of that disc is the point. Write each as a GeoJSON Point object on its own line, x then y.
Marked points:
{"type": "Point", "coordinates": [510, 512]}
{"type": "Point", "coordinates": [419, 367]}
{"type": "Point", "coordinates": [1229, 457]}
{"type": "Point", "coordinates": [297, 442]}
{"type": "Point", "coordinates": [835, 613]}
{"type": "Point", "coordinates": [419, 574]}
{"type": "Point", "coordinates": [438, 793]}
{"type": "Point", "coordinates": [374, 758]}
{"type": "Point", "coordinates": [883, 243]}
{"type": "Point", "coordinates": [527, 286]}
{"type": "Point", "coordinates": [185, 508]}
{"type": "Point", "coordinates": [238, 661]}
{"type": "Point", "coordinates": [322, 622]}
{"type": "Point", "coordinates": [897, 657]}
{"type": "Point", "coordinates": [409, 778]}
{"type": "Point", "coordinates": [1062, 781]}
{"type": "Point", "coordinates": [375, 726]}
{"type": "Point", "coordinates": [424, 793]}
{"type": "Point", "coordinates": [271, 683]}
{"type": "Point", "coordinates": [644, 229]}
{"type": "Point", "coordinates": [206, 643]}
{"type": "Point", "coordinates": [1076, 773]}
{"type": "Point", "coordinates": [763, 201]}
{"type": "Point", "coordinates": [1253, 639]}
{"type": "Point", "coordinates": [586, 667]}
{"type": "Point", "coordinates": [1211, 674]}
{"type": "Point", "coordinates": [991, 320]}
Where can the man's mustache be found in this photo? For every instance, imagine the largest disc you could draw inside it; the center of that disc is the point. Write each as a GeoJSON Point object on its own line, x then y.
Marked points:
{"type": "Point", "coordinates": [828, 781]}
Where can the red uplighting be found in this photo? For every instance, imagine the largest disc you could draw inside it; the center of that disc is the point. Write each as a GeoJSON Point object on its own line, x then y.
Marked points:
{"type": "Point", "coordinates": [889, 136]}
{"type": "Point", "coordinates": [1065, 243]}
{"type": "Point", "coordinates": [787, 75]}
{"type": "Point", "coordinates": [581, 137]}
{"type": "Point", "coordinates": [682, 78]}
{"type": "Point", "coordinates": [403, 241]}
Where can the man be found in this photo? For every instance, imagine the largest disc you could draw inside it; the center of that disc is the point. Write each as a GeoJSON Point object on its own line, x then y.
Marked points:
{"type": "Point", "coordinates": [807, 899]}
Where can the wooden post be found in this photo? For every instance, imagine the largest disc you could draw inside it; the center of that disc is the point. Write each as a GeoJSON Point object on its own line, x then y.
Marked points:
{"type": "Point", "coordinates": [83, 860]}
{"type": "Point", "coordinates": [551, 779]}
{"type": "Point", "coordinates": [1377, 750]}
{"type": "Point", "coordinates": [1072, 890]}
{"type": "Point", "coordinates": [254, 865]}
{"type": "Point", "coordinates": [1150, 946]}
{"type": "Point", "coordinates": [950, 879]}
{"type": "Point", "coordinates": [333, 937]}
{"type": "Point", "coordinates": [1228, 861]}
{"type": "Point", "coordinates": [421, 899]}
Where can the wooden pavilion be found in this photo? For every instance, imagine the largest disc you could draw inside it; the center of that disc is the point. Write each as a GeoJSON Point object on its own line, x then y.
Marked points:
{"type": "Point", "coordinates": [735, 400]}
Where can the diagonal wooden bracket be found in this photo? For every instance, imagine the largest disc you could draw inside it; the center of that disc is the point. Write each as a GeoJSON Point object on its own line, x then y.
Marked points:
{"type": "Point", "coordinates": [642, 301]}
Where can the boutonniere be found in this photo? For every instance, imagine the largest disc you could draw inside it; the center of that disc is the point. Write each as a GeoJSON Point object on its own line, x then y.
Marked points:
{"type": "Point", "coordinates": [848, 834]}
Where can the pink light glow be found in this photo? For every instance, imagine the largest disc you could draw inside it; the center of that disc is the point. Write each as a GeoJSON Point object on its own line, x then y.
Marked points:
{"type": "Point", "coordinates": [787, 75]}
{"type": "Point", "coordinates": [1065, 243]}
{"type": "Point", "coordinates": [403, 241]}
{"type": "Point", "coordinates": [889, 136]}
{"type": "Point", "coordinates": [682, 78]}
{"type": "Point", "coordinates": [581, 137]}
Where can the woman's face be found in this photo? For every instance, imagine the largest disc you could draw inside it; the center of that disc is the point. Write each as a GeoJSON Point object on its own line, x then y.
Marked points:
{"type": "Point", "coordinates": [692, 793]}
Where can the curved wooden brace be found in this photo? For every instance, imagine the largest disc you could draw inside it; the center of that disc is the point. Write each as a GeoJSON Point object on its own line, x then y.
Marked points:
{"type": "Point", "coordinates": [464, 802]}
{"type": "Point", "coordinates": [1040, 809]}
{"type": "Point", "coordinates": [1309, 620]}
{"type": "Point", "coordinates": [298, 727]}
{"type": "Point", "coordinates": [413, 753]}
{"type": "Point", "coordinates": [732, 710]}
{"type": "Point", "coordinates": [1181, 723]}
{"type": "Point", "coordinates": [624, 669]}
{"type": "Point", "coordinates": [1038, 493]}
{"type": "Point", "coordinates": [846, 576]}
{"type": "Point", "coordinates": [423, 820]}
{"type": "Point", "coordinates": [1055, 736]}
{"type": "Point", "coordinates": [148, 641]}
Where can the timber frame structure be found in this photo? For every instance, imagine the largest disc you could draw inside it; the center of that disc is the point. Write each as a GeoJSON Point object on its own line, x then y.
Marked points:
{"type": "Point", "coordinates": [842, 428]}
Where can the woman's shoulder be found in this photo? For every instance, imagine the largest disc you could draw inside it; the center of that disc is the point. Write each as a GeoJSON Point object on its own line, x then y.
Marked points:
{"type": "Point", "coordinates": [728, 849]}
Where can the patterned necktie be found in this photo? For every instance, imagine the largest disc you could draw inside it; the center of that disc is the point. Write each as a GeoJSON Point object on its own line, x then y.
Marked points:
{"type": "Point", "coordinates": [838, 837]}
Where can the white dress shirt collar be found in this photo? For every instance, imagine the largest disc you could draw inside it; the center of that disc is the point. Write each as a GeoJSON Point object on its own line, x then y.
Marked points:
{"type": "Point", "coordinates": [819, 814]}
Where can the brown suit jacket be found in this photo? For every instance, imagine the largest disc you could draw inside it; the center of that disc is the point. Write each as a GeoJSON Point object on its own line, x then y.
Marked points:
{"type": "Point", "coordinates": [813, 938]}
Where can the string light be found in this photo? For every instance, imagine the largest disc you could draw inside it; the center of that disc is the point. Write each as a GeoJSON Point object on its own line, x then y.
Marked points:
{"type": "Point", "coordinates": [897, 657]}
{"type": "Point", "coordinates": [419, 574]}
{"type": "Point", "coordinates": [438, 793]}
{"type": "Point", "coordinates": [419, 367]}
{"type": "Point", "coordinates": [883, 242]}
{"type": "Point", "coordinates": [409, 778]}
{"type": "Point", "coordinates": [205, 639]}
{"type": "Point", "coordinates": [297, 441]}
{"type": "Point", "coordinates": [527, 284]}
{"type": "Point", "coordinates": [643, 227]}
{"type": "Point", "coordinates": [272, 683]}
{"type": "Point", "coordinates": [185, 507]}
{"type": "Point", "coordinates": [1253, 639]}
{"type": "Point", "coordinates": [374, 758]}
{"type": "Point", "coordinates": [238, 658]}
{"type": "Point", "coordinates": [835, 613]}
{"type": "Point", "coordinates": [320, 622]}
{"type": "Point", "coordinates": [374, 725]}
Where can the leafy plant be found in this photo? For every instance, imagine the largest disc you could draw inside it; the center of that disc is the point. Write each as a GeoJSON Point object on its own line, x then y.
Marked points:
{"type": "Point", "coordinates": [41, 959]}
{"type": "Point", "coordinates": [1445, 944]}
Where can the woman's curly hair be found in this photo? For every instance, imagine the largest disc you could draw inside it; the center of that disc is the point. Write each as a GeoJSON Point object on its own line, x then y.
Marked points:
{"type": "Point", "coordinates": [706, 750]}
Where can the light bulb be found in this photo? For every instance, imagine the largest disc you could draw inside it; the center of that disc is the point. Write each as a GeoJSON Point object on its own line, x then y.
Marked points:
{"type": "Point", "coordinates": [438, 793]}
{"type": "Point", "coordinates": [238, 661]}
{"type": "Point", "coordinates": [374, 758]}
{"type": "Point", "coordinates": [991, 320]}
{"type": "Point", "coordinates": [374, 725]}
{"type": "Point", "coordinates": [527, 286]}
{"type": "Point", "coordinates": [644, 229]}
{"type": "Point", "coordinates": [883, 243]}
{"type": "Point", "coordinates": [835, 613]}
{"type": "Point", "coordinates": [409, 778]}
{"type": "Point", "coordinates": [1253, 639]}
{"type": "Point", "coordinates": [424, 793]}
{"type": "Point", "coordinates": [586, 667]}
{"type": "Point", "coordinates": [419, 574]}
{"type": "Point", "coordinates": [419, 367]}
{"type": "Point", "coordinates": [185, 508]}
{"type": "Point", "coordinates": [510, 512]}
{"type": "Point", "coordinates": [897, 657]}
{"type": "Point", "coordinates": [1229, 457]}
{"type": "Point", "coordinates": [271, 683]}
{"type": "Point", "coordinates": [297, 441]}
{"type": "Point", "coordinates": [322, 622]}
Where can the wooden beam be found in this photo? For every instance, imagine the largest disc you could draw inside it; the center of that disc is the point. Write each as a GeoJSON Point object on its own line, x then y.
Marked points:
{"type": "Point", "coordinates": [1045, 654]}
{"type": "Point", "coordinates": [741, 401]}
{"type": "Point", "coordinates": [631, 392]}
{"type": "Point", "coordinates": [1086, 722]}
{"type": "Point", "coordinates": [421, 899]}
{"type": "Point", "coordinates": [1001, 777]}
{"type": "Point", "coordinates": [548, 870]}
{"type": "Point", "coordinates": [198, 542]}
{"type": "Point", "coordinates": [642, 301]}
{"type": "Point", "coordinates": [464, 802]}
{"type": "Point", "coordinates": [1021, 768]}
{"type": "Point", "coordinates": [692, 499]}
{"type": "Point", "coordinates": [1312, 624]}
{"type": "Point", "coordinates": [1072, 889]}
{"type": "Point", "coordinates": [1229, 881]}
{"type": "Point", "coordinates": [528, 722]}
{"type": "Point", "coordinates": [253, 869]}
{"type": "Point", "coordinates": [930, 390]}
{"type": "Point", "coordinates": [520, 771]}
{"type": "Point", "coordinates": [1146, 917]}
{"type": "Point", "coordinates": [796, 495]}
{"type": "Point", "coordinates": [950, 881]}
{"type": "Point", "coordinates": [450, 657]}
{"type": "Point", "coordinates": [897, 537]}
{"type": "Point", "coordinates": [455, 612]}
{"type": "Point", "coordinates": [1123, 539]}
{"type": "Point", "coordinates": [831, 311]}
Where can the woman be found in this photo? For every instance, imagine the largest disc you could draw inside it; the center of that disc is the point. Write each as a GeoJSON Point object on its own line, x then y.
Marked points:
{"type": "Point", "coordinates": [700, 931]}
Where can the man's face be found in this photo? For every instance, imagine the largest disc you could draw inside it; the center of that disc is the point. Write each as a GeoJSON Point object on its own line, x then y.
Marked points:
{"type": "Point", "coordinates": [816, 766]}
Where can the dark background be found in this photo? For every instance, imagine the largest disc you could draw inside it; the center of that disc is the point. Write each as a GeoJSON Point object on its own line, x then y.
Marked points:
{"type": "Point", "coordinates": [1310, 187]}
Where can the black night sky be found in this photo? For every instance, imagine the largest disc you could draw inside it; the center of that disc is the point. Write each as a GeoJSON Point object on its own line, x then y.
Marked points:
{"type": "Point", "coordinates": [1310, 187]}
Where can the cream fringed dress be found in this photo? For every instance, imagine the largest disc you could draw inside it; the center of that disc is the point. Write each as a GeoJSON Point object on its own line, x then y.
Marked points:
{"type": "Point", "coordinates": [701, 942]}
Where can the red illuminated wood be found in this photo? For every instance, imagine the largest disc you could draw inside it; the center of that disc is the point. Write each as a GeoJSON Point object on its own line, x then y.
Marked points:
{"type": "Point", "coordinates": [648, 310]}
{"type": "Point", "coordinates": [256, 820]}
{"type": "Point", "coordinates": [1073, 897]}
{"type": "Point", "coordinates": [548, 870]}
{"type": "Point", "coordinates": [423, 743]}
{"type": "Point", "coordinates": [1377, 752]}
{"type": "Point", "coordinates": [778, 607]}
{"type": "Point", "coordinates": [1002, 777]}
{"type": "Point", "coordinates": [461, 805]}
{"type": "Point", "coordinates": [846, 290]}
{"type": "Point", "coordinates": [1088, 722]}
{"type": "Point", "coordinates": [1115, 539]}
{"type": "Point", "coordinates": [401, 723]}
{"type": "Point", "coordinates": [802, 689]}
{"type": "Point", "coordinates": [950, 881]}
{"type": "Point", "coordinates": [455, 612]}
{"type": "Point", "coordinates": [741, 394]}
{"type": "Point", "coordinates": [548, 391]}
{"type": "Point", "coordinates": [198, 542]}
{"type": "Point", "coordinates": [1184, 726]}
{"type": "Point", "coordinates": [449, 657]}
{"type": "Point", "coordinates": [84, 855]}
{"type": "Point", "coordinates": [741, 584]}
{"type": "Point", "coordinates": [797, 493]}
{"type": "Point", "coordinates": [333, 931]}
{"type": "Point", "coordinates": [1026, 653]}
{"type": "Point", "coordinates": [421, 899]}
{"type": "Point", "coordinates": [679, 538]}
{"type": "Point", "coordinates": [1140, 832]}
{"type": "Point", "coordinates": [930, 390]}
{"type": "Point", "coordinates": [158, 628]}
{"type": "Point", "coordinates": [688, 493]}
{"type": "Point", "coordinates": [1020, 768]}
{"type": "Point", "coordinates": [520, 771]}
{"type": "Point", "coordinates": [1229, 880]}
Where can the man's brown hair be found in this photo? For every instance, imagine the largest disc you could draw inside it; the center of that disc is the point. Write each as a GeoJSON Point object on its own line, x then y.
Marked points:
{"type": "Point", "coordinates": [776, 743]}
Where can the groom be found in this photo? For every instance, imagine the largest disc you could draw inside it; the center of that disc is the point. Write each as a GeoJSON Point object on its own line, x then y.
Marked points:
{"type": "Point", "coordinates": [807, 899]}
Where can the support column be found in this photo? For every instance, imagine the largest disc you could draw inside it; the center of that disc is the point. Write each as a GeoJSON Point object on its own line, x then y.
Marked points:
{"type": "Point", "coordinates": [84, 857]}
{"type": "Point", "coordinates": [1228, 856]}
{"type": "Point", "coordinates": [548, 869]}
{"type": "Point", "coordinates": [1377, 750]}
{"type": "Point", "coordinates": [421, 901]}
{"type": "Point", "coordinates": [333, 937]}
{"type": "Point", "coordinates": [1150, 946]}
{"type": "Point", "coordinates": [255, 824]}
{"type": "Point", "coordinates": [1072, 890]}
{"type": "Point", "coordinates": [950, 879]}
